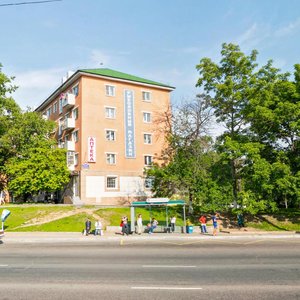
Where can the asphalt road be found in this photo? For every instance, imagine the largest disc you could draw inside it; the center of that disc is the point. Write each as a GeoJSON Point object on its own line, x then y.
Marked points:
{"type": "Point", "coordinates": [132, 269]}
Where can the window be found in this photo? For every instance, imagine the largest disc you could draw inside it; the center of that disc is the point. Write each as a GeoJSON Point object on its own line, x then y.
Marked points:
{"type": "Point", "coordinates": [60, 126]}
{"type": "Point", "coordinates": [76, 159]}
{"type": "Point", "coordinates": [146, 96]}
{"type": "Point", "coordinates": [110, 135]}
{"type": "Point", "coordinates": [55, 107]}
{"type": "Point", "coordinates": [60, 105]}
{"type": "Point", "coordinates": [110, 90]}
{"type": "Point", "coordinates": [75, 113]}
{"type": "Point", "coordinates": [149, 181]}
{"type": "Point", "coordinates": [148, 160]}
{"type": "Point", "coordinates": [147, 138]}
{"type": "Point", "coordinates": [111, 182]}
{"type": "Point", "coordinates": [111, 158]}
{"type": "Point", "coordinates": [147, 117]}
{"type": "Point", "coordinates": [110, 112]}
{"type": "Point", "coordinates": [75, 90]}
{"type": "Point", "coordinates": [75, 136]}
{"type": "Point", "coordinates": [48, 113]}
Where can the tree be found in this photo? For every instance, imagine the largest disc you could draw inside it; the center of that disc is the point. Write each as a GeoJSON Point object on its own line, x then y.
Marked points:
{"type": "Point", "coordinates": [35, 163]}
{"type": "Point", "coordinates": [186, 171]}
{"type": "Point", "coordinates": [9, 111]}
{"type": "Point", "coordinates": [231, 84]}
{"type": "Point", "coordinates": [29, 158]}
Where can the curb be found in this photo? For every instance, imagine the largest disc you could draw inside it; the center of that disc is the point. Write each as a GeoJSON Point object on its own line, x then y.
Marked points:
{"type": "Point", "coordinates": [74, 237]}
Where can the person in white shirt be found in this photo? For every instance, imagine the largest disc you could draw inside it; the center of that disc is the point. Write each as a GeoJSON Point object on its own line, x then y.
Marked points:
{"type": "Point", "coordinates": [139, 224]}
{"type": "Point", "coordinates": [173, 221]}
{"type": "Point", "coordinates": [98, 228]}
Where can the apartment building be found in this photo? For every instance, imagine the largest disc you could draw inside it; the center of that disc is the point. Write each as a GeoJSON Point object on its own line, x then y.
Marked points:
{"type": "Point", "coordinates": [107, 121]}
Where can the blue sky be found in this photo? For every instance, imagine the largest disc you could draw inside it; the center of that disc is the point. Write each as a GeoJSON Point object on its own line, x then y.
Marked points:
{"type": "Point", "coordinates": [162, 40]}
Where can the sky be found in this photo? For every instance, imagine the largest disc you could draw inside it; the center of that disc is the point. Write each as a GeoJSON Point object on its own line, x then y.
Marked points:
{"type": "Point", "coordinates": [161, 40]}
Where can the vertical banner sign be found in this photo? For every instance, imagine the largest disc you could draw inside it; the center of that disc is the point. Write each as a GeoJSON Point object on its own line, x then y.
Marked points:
{"type": "Point", "coordinates": [91, 149]}
{"type": "Point", "coordinates": [129, 124]}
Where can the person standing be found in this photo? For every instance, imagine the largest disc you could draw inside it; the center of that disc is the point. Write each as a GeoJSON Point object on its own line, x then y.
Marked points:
{"type": "Point", "coordinates": [215, 224]}
{"type": "Point", "coordinates": [173, 222]}
{"type": "Point", "coordinates": [139, 224]}
{"type": "Point", "coordinates": [88, 226]}
{"type": "Point", "coordinates": [240, 219]}
{"type": "Point", "coordinates": [203, 221]}
{"type": "Point", "coordinates": [98, 227]}
{"type": "Point", "coordinates": [124, 225]}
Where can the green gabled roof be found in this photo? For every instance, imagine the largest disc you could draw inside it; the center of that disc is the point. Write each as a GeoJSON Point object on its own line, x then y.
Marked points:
{"type": "Point", "coordinates": [119, 75]}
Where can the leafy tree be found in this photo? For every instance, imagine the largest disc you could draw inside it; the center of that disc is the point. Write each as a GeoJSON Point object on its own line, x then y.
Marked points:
{"type": "Point", "coordinates": [186, 171]}
{"type": "Point", "coordinates": [231, 84]}
{"type": "Point", "coordinates": [29, 158]}
{"type": "Point", "coordinates": [43, 168]}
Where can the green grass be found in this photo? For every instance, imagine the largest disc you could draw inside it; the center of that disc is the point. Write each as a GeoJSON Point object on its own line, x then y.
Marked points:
{"type": "Point", "coordinates": [69, 224]}
{"type": "Point", "coordinates": [23, 214]}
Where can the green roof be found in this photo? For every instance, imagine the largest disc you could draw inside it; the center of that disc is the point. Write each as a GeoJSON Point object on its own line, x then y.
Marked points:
{"type": "Point", "coordinates": [169, 203]}
{"type": "Point", "coordinates": [124, 76]}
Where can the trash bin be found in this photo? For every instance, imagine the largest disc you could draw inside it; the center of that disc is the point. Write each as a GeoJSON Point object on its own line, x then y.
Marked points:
{"type": "Point", "coordinates": [189, 229]}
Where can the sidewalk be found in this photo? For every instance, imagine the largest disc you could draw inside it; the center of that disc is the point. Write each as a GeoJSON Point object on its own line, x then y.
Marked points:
{"type": "Point", "coordinates": [77, 237]}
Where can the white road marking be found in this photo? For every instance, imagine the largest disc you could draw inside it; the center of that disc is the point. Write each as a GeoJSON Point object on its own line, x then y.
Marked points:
{"type": "Point", "coordinates": [167, 266]}
{"type": "Point", "coordinates": [3, 266]}
{"type": "Point", "coordinates": [164, 288]}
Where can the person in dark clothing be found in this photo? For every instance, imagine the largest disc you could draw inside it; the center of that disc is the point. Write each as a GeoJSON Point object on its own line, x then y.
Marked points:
{"type": "Point", "coordinates": [88, 226]}
{"type": "Point", "coordinates": [240, 219]}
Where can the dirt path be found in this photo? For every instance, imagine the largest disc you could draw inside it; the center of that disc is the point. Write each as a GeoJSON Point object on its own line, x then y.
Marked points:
{"type": "Point", "coordinates": [59, 215]}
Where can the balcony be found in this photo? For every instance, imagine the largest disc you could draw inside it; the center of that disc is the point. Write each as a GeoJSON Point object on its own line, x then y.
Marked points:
{"type": "Point", "coordinates": [68, 124]}
{"type": "Point", "coordinates": [69, 145]}
{"type": "Point", "coordinates": [68, 101]}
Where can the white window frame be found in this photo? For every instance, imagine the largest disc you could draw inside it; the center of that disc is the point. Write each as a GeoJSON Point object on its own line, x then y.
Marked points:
{"type": "Point", "coordinates": [110, 135]}
{"type": "Point", "coordinates": [116, 182]}
{"type": "Point", "coordinates": [146, 96]}
{"type": "Point", "coordinates": [55, 107]}
{"type": "Point", "coordinates": [110, 109]}
{"type": "Point", "coordinates": [146, 158]}
{"type": "Point", "coordinates": [147, 138]}
{"type": "Point", "coordinates": [74, 115]}
{"type": "Point", "coordinates": [49, 111]}
{"type": "Point", "coordinates": [75, 135]}
{"type": "Point", "coordinates": [111, 158]}
{"type": "Point", "coordinates": [76, 159]}
{"type": "Point", "coordinates": [60, 105]}
{"type": "Point", "coordinates": [75, 88]}
{"type": "Point", "coordinates": [110, 90]}
{"type": "Point", "coordinates": [148, 183]}
{"type": "Point", "coordinates": [60, 126]}
{"type": "Point", "coordinates": [147, 117]}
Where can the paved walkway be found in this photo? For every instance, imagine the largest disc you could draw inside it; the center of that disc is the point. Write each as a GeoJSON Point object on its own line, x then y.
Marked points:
{"type": "Point", "coordinates": [73, 237]}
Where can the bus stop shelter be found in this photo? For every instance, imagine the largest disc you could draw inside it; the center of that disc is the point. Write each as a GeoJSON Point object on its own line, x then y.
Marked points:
{"type": "Point", "coordinates": [152, 202]}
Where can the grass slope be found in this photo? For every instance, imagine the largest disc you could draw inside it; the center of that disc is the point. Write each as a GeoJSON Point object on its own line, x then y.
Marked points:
{"type": "Point", "coordinates": [59, 218]}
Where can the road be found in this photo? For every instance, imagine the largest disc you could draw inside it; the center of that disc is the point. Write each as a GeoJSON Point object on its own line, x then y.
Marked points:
{"type": "Point", "coordinates": [152, 269]}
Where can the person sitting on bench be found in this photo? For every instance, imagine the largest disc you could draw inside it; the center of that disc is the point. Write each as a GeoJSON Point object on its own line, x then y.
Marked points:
{"type": "Point", "coordinates": [154, 224]}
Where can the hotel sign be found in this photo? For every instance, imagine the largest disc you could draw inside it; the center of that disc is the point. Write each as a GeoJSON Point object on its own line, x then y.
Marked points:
{"type": "Point", "coordinates": [129, 124]}
{"type": "Point", "coordinates": [91, 149]}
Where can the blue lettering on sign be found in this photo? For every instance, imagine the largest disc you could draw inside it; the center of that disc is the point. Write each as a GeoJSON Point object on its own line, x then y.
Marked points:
{"type": "Point", "coordinates": [129, 124]}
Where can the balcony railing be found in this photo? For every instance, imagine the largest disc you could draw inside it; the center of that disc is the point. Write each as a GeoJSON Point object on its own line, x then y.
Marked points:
{"type": "Point", "coordinates": [69, 100]}
{"type": "Point", "coordinates": [68, 124]}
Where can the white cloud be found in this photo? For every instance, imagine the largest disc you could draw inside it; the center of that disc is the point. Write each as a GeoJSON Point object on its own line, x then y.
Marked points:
{"type": "Point", "coordinates": [35, 86]}
{"type": "Point", "coordinates": [253, 36]}
{"type": "Point", "coordinates": [288, 30]}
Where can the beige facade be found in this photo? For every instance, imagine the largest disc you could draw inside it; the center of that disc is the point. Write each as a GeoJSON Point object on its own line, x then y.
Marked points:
{"type": "Point", "coordinates": [107, 122]}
